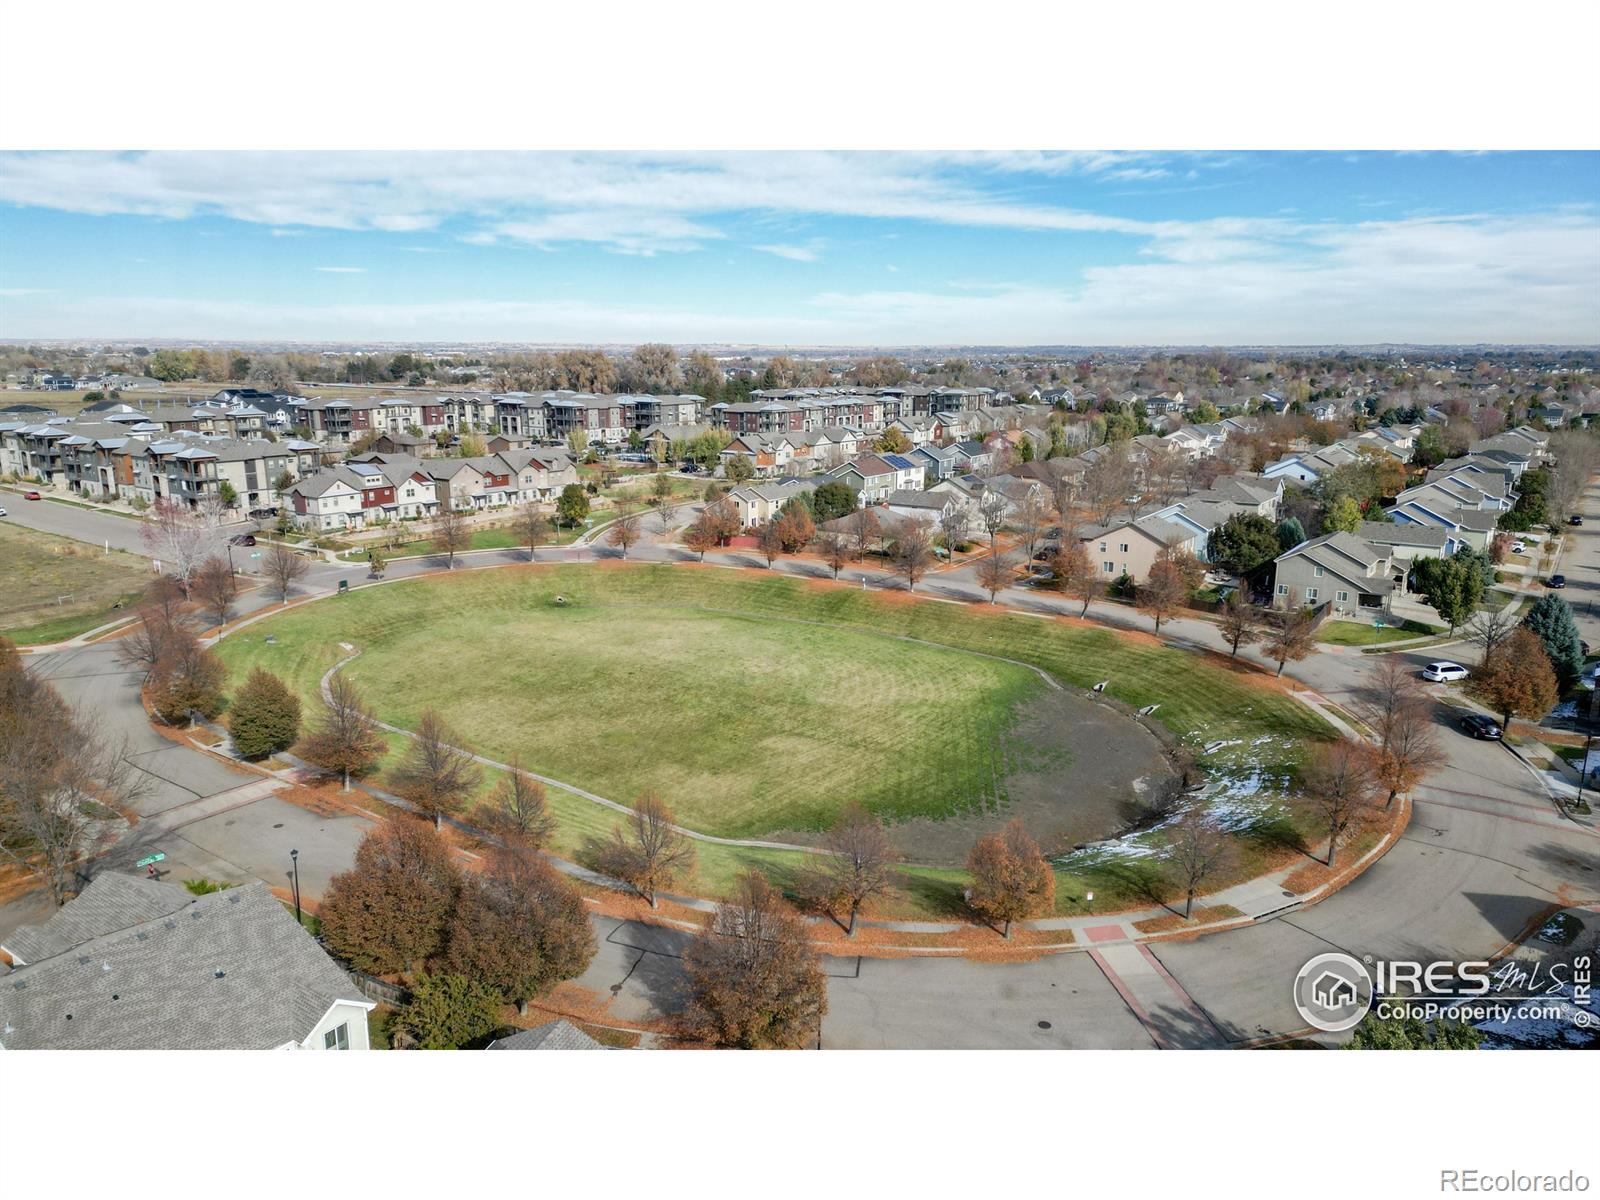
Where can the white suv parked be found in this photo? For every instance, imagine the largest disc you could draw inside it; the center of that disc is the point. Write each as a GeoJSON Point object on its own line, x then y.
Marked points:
{"type": "Point", "coordinates": [1444, 672]}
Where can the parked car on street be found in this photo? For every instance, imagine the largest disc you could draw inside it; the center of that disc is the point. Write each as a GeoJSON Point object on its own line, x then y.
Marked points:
{"type": "Point", "coordinates": [32, 496]}
{"type": "Point", "coordinates": [242, 539]}
{"type": "Point", "coordinates": [1556, 581]}
{"type": "Point", "coordinates": [1444, 672]}
{"type": "Point", "coordinates": [1481, 727]}
{"type": "Point", "coordinates": [1575, 519]}
{"type": "Point", "coordinates": [1519, 547]}
{"type": "Point", "coordinates": [2, 512]}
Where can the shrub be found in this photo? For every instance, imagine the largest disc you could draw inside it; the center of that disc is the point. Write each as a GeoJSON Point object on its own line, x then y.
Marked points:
{"type": "Point", "coordinates": [446, 1012]}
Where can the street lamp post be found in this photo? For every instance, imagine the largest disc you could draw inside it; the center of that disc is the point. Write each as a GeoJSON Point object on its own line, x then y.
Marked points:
{"type": "Point", "coordinates": [1583, 771]}
{"type": "Point", "coordinates": [294, 859]}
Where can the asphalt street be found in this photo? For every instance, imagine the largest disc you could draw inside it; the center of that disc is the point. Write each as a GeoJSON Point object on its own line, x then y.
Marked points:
{"type": "Point", "coordinates": [1486, 851]}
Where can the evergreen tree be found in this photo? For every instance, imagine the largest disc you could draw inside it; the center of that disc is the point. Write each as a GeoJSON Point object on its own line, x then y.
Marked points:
{"type": "Point", "coordinates": [1290, 533]}
{"type": "Point", "coordinates": [1551, 619]}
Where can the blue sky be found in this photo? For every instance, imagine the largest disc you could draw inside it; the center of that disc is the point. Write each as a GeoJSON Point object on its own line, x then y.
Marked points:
{"type": "Point", "coordinates": [802, 248]}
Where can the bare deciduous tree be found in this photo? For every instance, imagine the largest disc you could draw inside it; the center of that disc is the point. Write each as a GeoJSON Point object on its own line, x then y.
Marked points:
{"type": "Point", "coordinates": [438, 772]}
{"type": "Point", "coordinates": [913, 552]}
{"type": "Point", "coordinates": [647, 852]}
{"type": "Point", "coordinates": [532, 526]}
{"type": "Point", "coordinates": [284, 568]}
{"type": "Point", "coordinates": [1162, 594]}
{"type": "Point", "coordinates": [1196, 850]}
{"type": "Point", "coordinates": [1076, 574]}
{"type": "Point", "coordinates": [995, 573]}
{"type": "Point", "coordinates": [345, 741]}
{"type": "Point", "coordinates": [857, 865]}
{"type": "Point", "coordinates": [450, 532]}
{"type": "Point", "coordinates": [215, 588]}
{"type": "Point", "coordinates": [159, 613]}
{"type": "Point", "coordinates": [1489, 631]}
{"type": "Point", "coordinates": [180, 537]}
{"type": "Point", "coordinates": [1239, 621]}
{"type": "Point", "coordinates": [1339, 781]}
{"type": "Point", "coordinates": [955, 525]}
{"type": "Point", "coordinates": [864, 530]}
{"type": "Point", "coordinates": [835, 551]}
{"type": "Point", "coordinates": [1291, 635]}
{"type": "Point", "coordinates": [1031, 519]}
{"type": "Point", "coordinates": [517, 810]}
{"type": "Point", "coordinates": [993, 509]}
{"type": "Point", "coordinates": [1400, 714]}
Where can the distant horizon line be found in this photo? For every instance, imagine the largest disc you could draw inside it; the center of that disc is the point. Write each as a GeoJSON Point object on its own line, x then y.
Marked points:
{"type": "Point", "coordinates": [781, 347]}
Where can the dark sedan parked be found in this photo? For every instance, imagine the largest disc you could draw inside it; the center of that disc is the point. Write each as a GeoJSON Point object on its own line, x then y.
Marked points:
{"type": "Point", "coordinates": [1575, 519]}
{"type": "Point", "coordinates": [242, 539]}
{"type": "Point", "coordinates": [1480, 726]}
{"type": "Point", "coordinates": [1556, 581]}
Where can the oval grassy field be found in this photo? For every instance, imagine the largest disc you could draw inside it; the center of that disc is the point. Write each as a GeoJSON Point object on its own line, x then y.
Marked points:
{"type": "Point", "coordinates": [761, 705]}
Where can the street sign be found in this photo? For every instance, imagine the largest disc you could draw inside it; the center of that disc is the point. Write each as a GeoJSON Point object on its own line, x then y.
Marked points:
{"type": "Point", "coordinates": [344, 585]}
{"type": "Point", "coordinates": [255, 554]}
{"type": "Point", "coordinates": [151, 858]}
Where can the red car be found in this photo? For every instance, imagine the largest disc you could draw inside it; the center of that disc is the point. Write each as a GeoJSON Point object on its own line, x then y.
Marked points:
{"type": "Point", "coordinates": [32, 496]}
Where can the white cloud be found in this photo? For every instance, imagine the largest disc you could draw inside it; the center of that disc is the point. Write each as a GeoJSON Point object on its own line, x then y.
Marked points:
{"type": "Point", "coordinates": [1465, 279]}
{"type": "Point", "coordinates": [342, 270]}
{"type": "Point", "coordinates": [809, 252]}
{"type": "Point", "coordinates": [633, 203]}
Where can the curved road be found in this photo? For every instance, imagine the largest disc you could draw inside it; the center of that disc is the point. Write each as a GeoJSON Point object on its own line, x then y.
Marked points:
{"type": "Point", "coordinates": [1486, 853]}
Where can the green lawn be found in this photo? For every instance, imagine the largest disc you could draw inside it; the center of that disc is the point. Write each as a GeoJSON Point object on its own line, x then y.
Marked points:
{"type": "Point", "coordinates": [1355, 633]}
{"type": "Point", "coordinates": [708, 687]}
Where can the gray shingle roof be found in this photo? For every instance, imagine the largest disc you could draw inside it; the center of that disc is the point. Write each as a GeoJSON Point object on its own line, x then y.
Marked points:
{"type": "Point", "coordinates": [228, 971]}
{"type": "Point", "coordinates": [110, 903]}
{"type": "Point", "coordinates": [557, 1035]}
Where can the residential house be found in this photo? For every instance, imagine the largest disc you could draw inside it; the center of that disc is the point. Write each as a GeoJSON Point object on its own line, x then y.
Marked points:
{"type": "Point", "coordinates": [759, 503]}
{"type": "Point", "coordinates": [554, 1035]}
{"type": "Point", "coordinates": [1131, 547]}
{"type": "Point", "coordinates": [132, 964]}
{"type": "Point", "coordinates": [932, 505]}
{"type": "Point", "coordinates": [1338, 568]}
{"type": "Point", "coordinates": [875, 476]}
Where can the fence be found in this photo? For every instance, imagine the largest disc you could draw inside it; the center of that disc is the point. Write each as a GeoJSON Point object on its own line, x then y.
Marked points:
{"type": "Point", "coordinates": [377, 989]}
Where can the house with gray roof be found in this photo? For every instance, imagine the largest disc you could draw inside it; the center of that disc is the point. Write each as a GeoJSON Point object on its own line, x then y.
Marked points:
{"type": "Point", "coordinates": [556, 1035]}
{"type": "Point", "coordinates": [136, 965]}
{"type": "Point", "coordinates": [1338, 568]}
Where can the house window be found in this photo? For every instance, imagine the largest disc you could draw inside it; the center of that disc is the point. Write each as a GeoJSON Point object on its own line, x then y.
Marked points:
{"type": "Point", "coordinates": [1123, 548]}
{"type": "Point", "coordinates": [1283, 589]}
{"type": "Point", "coordinates": [1102, 547]}
{"type": "Point", "coordinates": [1344, 597]}
{"type": "Point", "coordinates": [1110, 568]}
{"type": "Point", "coordinates": [1319, 572]}
{"type": "Point", "coordinates": [1311, 593]}
{"type": "Point", "coordinates": [337, 1039]}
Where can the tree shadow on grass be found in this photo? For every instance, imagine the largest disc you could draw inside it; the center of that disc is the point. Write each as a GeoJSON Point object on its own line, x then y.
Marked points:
{"type": "Point", "coordinates": [1276, 831]}
{"type": "Point", "coordinates": [940, 899]}
{"type": "Point", "coordinates": [1139, 878]}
